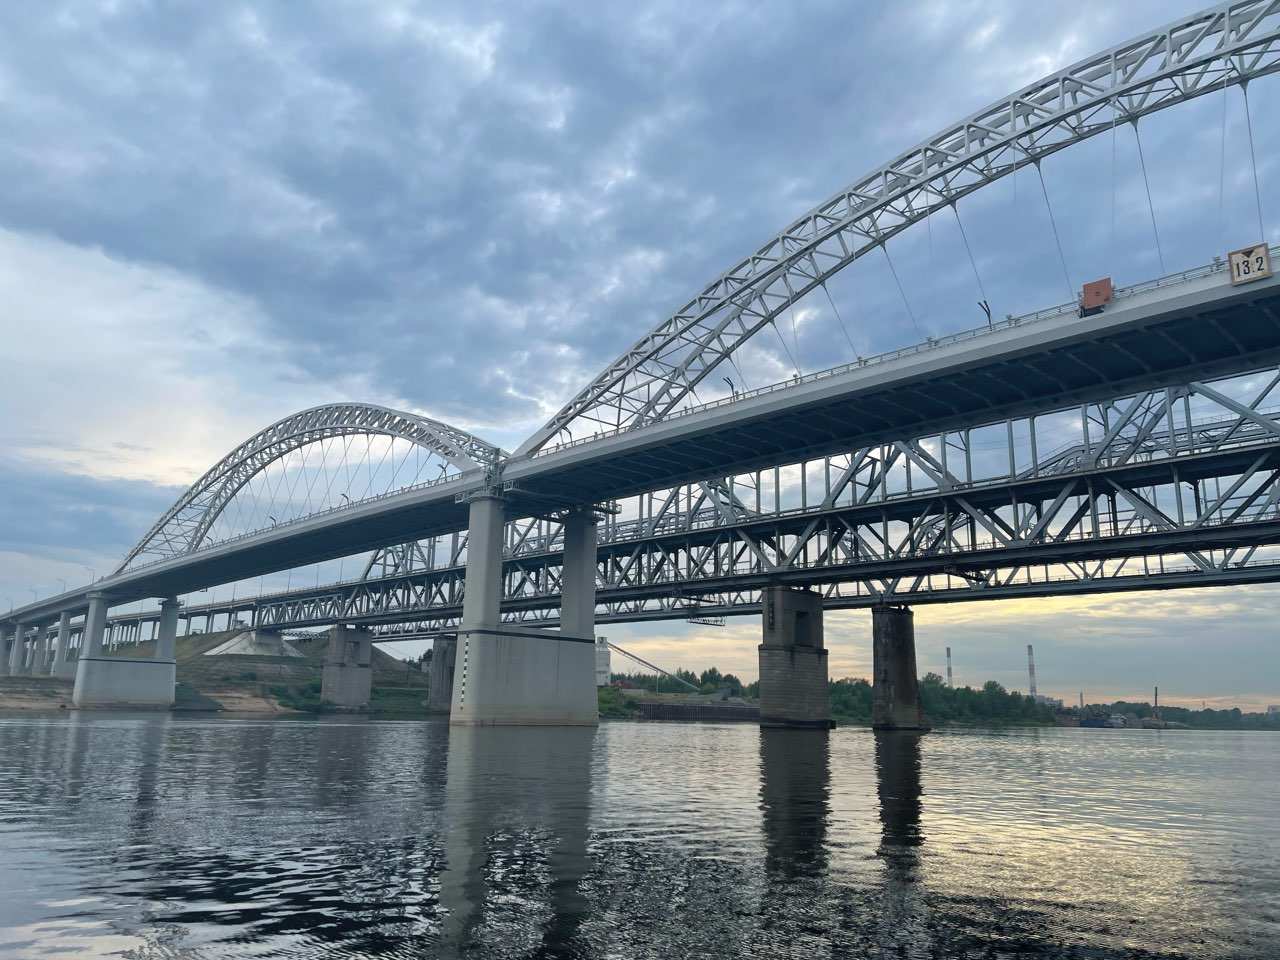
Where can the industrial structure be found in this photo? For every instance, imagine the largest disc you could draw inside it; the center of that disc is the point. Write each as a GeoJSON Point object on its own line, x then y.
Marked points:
{"type": "Point", "coordinates": [934, 473]}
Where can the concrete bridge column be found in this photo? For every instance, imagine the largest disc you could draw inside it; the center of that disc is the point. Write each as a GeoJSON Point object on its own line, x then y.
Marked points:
{"type": "Point", "coordinates": [103, 681]}
{"type": "Point", "coordinates": [42, 649]}
{"type": "Point", "coordinates": [508, 674]}
{"type": "Point", "coordinates": [895, 695]}
{"type": "Point", "coordinates": [347, 678]}
{"type": "Point", "coordinates": [793, 661]}
{"type": "Point", "coordinates": [18, 651]}
{"type": "Point", "coordinates": [4, 649]}
{"type": "Point", "coordinates": [63, 667]}
{"type": "Point", "coordinates": [444, 654]}
{"type": "Point", "coordinates": [167, 629]}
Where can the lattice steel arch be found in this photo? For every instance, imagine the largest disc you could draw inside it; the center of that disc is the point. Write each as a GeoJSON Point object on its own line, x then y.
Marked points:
{"type": "Point", "coordinates": [184, 526]}
{"type": "Point", "coordinates": [1227, 43]}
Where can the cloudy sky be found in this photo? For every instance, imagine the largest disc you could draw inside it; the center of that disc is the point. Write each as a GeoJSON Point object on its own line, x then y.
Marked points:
{"type": "Point", "coordinates": [213, 215]}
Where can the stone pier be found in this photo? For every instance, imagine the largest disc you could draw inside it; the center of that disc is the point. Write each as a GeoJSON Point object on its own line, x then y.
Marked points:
{"type": "Point", "coordinates": [507, 674]}
{"type": "Point", "coordinates": [444, 654]}
{"type": "Point", "coordinates": [793, 661]}
{"type": "Point", "coordinates": [895, 697]}
{"type": "Point", "coordinates": [347, 678]}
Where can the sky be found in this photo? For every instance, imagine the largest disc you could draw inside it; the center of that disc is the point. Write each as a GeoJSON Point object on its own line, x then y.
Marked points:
{"type": "Point", "coordinates": [215, 215]}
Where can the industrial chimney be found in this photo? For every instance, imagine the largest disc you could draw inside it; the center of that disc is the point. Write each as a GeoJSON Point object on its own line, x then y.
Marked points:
{"type": "Point", "coordinates": [949, 667]}
{"type": "Point", "coordinates": [1031, 669]}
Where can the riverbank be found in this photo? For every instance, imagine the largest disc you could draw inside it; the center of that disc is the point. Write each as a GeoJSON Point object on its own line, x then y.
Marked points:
{"type": "Point", "coordinates": [245, 684]}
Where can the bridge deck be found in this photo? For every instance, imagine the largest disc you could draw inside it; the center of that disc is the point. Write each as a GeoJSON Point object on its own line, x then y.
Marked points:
{"type": "Point", "coordinates": [1194, 326]}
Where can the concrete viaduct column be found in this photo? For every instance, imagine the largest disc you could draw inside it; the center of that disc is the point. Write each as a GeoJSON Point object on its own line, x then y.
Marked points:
{"type": "Point", "coordinates": [508, 674]}
{"type": "Point", "coordinates": [18, 652]}
{"type": "Point", "coordinates": [578, 577]}
{"type": "Point", "coordinates": [4, 649]}
{"type": "Point", "coordinates": [43, 647]}
{"type": "Point", "coordinates": [62, 666]}
{"type": "Point", "coordinates": [167, 629]}
{"type": "Point", "coordinates": [793, 661]}
{"type": "Point", "coordinates": [895, 695]}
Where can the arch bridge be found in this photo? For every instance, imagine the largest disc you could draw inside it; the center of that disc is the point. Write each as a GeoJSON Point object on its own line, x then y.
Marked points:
{"type": "Point", "coordinates": [656, 481]}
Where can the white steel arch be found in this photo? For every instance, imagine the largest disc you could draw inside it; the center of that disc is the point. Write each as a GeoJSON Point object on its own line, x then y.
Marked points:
{"type": "Point", "coordinates": [184, 526]}
{"type": "Point", "coordinates": [1227, 43]}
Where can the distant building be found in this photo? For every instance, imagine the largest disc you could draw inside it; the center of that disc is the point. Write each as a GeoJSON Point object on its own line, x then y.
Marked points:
{"type": "Point", "coordinates": [1273, 709]}
{"type": "Point", "coordinates": [1054, 702]}
{"type": "Point", "coordinates": [602, 661]}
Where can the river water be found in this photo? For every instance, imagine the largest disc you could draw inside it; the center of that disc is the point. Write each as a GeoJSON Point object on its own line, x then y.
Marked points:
{"type": "Point", "coordinates": [154, 837]}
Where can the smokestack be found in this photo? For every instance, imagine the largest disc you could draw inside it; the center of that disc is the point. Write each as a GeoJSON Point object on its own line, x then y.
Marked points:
{"type": "Point", "coordinates": [1081, 699]}
{"type": "Point", "coordinates": [949, 666]}
{"type": "Point", "coordinates": [1031, 669]}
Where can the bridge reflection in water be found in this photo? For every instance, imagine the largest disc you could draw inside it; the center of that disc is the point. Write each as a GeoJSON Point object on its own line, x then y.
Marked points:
{"type": "Point", "coordinates": [188, 838]}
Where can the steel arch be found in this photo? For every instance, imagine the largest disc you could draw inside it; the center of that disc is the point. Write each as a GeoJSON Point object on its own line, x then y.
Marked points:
{"type": "Point", "coordinates": [184, 526]}
{"type": "Point", "coordinates": [1228, 43]}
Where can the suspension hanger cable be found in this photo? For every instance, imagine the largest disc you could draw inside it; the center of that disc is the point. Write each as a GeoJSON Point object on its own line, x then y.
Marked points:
{"type": "Point", "coordinates": [1142, 162]}
{"type": "Point", "coordinates": [901, 291]}
{"type": "Point", "coordinates": [1253, 161]}
{"type": "Point", "coordinates": [1115, 248]}
{"type": "Point", "coordinates": [785, 349]}
{"type": "Point", "coordinates": [741, 376]}
{"type": "Point", "coordinates": [1062, 257]}
{"type": "Point", "coordinates": [933, 273]}
{"type": "Point", "coordinates": [795, 333]}
{"type": "Point", "coordinates": [982, 291]}
{"type": "Point", "coordinates": [1222, 169]}
{"type": "Point", "coordinates": [839, 319]}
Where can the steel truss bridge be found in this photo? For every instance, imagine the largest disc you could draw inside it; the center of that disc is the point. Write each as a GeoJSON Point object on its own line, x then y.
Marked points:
{"type": "Point", "coordinates": [1177, 486]}
{"type": "Point", "coordinates": [1059, 452]}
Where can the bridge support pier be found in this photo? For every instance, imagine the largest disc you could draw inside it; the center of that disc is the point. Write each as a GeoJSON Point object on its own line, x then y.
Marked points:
{"type": "Point", "coordinates": [444, 654]}
{"type": "Point", "coordinates": [18, 652]}
{"type": "Point", "coordinates": [347, 679]}
{"type": "Point", "coordinates": [895, 694]}
{"type": "Point", "coordinates": [793, 661]}
{"type": "Point", "coordinates": [63, 666]}
{"type": "Point", "coordinates": [7, 646]}
{"type": "Point", "coordinates": [140, 683]}
{"type": "Point", "coordinates": [44, 650]}
{"type": "Point", "coordinates": [520, 675]}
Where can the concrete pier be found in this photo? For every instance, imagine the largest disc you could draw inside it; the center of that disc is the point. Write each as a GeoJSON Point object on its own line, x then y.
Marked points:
{"type": "Point", "coordinates": [347, 678]}
{"type": "Point", "coordinates": [18, 652]}
{"type": "Point", "coordinates": [129, 682]}
{"type": "Point", "coordinates": [793, 661]}
{"type": "Point", "coordinates": [63, 667]}
{"type": "Point", "coordinates": [444, 655]}
{"type": "Point", "coordinates": [41, 645]}
{"type": "Point", "coordinates": [895, 696]}
{"type": "Point", "coordinates": [167, 629]}
{"type": "Point", "coordinates": [518, 675]}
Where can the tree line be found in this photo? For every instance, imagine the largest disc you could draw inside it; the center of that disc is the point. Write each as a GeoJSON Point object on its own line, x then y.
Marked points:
{"type": "Point", "coordinates": [990, 703]}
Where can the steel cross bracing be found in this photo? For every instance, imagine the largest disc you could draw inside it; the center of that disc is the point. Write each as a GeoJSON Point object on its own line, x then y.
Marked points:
{"type": "Point", "coordinates": [184, 526]}
{"type": "Point", "coordinates": [1186, 476]}
{"type": "Point", "coordinates": [1227, 43]}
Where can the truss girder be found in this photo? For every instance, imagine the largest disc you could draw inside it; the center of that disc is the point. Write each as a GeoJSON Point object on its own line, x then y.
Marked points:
{"type": "Point", "coordinates": [1069, 526]}
{"type": "Point", "coordinates": [1227, 43]}
{"type": "Point", "coordinates": [184, 526]}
